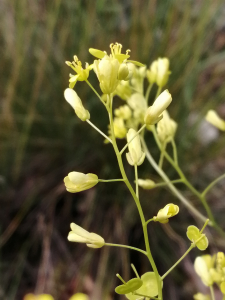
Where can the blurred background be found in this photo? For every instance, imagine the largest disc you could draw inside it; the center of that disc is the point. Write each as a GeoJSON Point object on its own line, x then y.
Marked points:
{"type": "Point", "coordinates": [41, 140]}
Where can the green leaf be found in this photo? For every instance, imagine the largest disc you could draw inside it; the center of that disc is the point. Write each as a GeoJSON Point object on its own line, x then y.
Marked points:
{"type": "Point", "coordinates": [131, 286]}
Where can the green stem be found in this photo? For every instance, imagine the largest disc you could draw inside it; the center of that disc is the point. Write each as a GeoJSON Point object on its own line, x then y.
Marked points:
{"type": "Point", "coordinates": [135, 271]}
{"type": "Point", "coordinates": [212, 184]}
{"type": "Point", "coordinates": [149, 221]}
{"type": "Point", "coordinates": [97, 129]}
{"type": "Point", "coordinates": [125, 147]}
{"type": "Point", "coordinates": [151, 160]}
{"type": "Point", "coordinates": [109, 180]}
{"type": "Point", "coordinates": [123, 281]}
{"type": "Point", "coordinates": [189, 249]}
{"type": "Point", "coordinates": [91, 86]}
{"type": "Point", "coordinates": [212, 292]}
{"type": "Point", "coordinates": [148, 91]}
{"type": "Point", "coordinates": [158, 92]}
{"type": "Point", "coordinates": [123, 173]}
{"type": "Point", "coordinates": [174, 151]}
{"type": "Point", "coordinates": [166, 183]}
{"type": "Point", "coordinates": [179, 260]}
{"type": "Point", "coordinates": [162, 155]}
{"type": "Point", "coordinates": [125, 246]}
{"type": "Point", "coordinates": [136, 181]}
{"type": "Point", "coordinates": [189, 185]}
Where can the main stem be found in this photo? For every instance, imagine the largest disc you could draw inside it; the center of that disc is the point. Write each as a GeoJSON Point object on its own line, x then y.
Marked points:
{"type": "Point", "coordinates": [123, 173]}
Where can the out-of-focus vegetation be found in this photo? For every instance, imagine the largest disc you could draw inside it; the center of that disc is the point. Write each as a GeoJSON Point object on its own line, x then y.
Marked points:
{"type": "Point", "coordinates": [42, 140]}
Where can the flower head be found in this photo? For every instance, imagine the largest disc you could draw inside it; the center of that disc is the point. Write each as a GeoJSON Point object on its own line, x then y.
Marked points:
{"type": "Point", "coordinates": [213, 118]}
{"type": "Point", "coordinates": [77, 182]}
{"type": "Point", "coordinates": [135, 156]}
{"type": "Point", "coordinates": [81, 74]}
{"type": "Point", "coordinates": [73, 99]}
{"type": "Point", "coordinates": [80, 235]}
{"type": "Point", "coordinates": [170, 210]}
{"type": "Point", "coordinates": [154, 112]}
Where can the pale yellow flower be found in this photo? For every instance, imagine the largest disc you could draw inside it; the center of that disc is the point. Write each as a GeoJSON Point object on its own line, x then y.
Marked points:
{"type": "Point", "coordinates": [77, 182]}
{"type": "Point", "coordinates": [123, 112]}
{"type": "Point", "coordinates": [73, 99]}
{"type": "Point", "coordinates": [81, 74]}
{"type": "Point", "coordinates": [80, 235]}
{"type": "Point", "coordinates": [159, 72]}
{"type": "Point", "coordinates": [154, 112]}
{"type": "Point", "coordinates": [166, 128]}
{"type": "Point", "coordinates": [170, 210]}
{"type": "Point", "coordinates": [202, 266]}
{"type": "Point", "coordinates": [213, 118]}
{"type": "Point", "coordinates": [120, 130]}
{"type": "Point", "coordinates": [135, 156]}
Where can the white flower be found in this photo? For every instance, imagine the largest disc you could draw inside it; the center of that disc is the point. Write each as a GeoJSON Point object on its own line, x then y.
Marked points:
{"type": "Point", "coordinates": [162, 71]}
{"type": "Point", "coordinates": [80, 235]}
{"type": "Point", "coordinates": [73, 99]}
{"type": "Point", "coordinates": [154, 112]}
{"type": "Point", "coordinates": [77, 182]}
{"type": "Point", "coordinates": [135, 156]}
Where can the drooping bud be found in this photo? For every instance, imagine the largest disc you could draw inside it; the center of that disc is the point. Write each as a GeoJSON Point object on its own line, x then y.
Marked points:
{"type": "Point", "coordinates": [73, 99]}
{"type": "Point", "coordinates": [80, 235]}
{"type": "Point", "coordinates": [77, 182]}
{"type": "Point", "coordinates": [135, 156]}
{"type": "Point", "coordinates": [170, 210]}
{"type": "Point", "coordinates": [146, 184]}
{"type": "Point", "coordinates": [152, 72]}
{"type": "Point", "coordinates": [213, 118]}
{"type": "Point", "coordinates": [154, 112]}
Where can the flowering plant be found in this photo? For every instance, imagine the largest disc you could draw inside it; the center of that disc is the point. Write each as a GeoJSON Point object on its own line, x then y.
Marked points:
{"type": "Point", "coordinates": [119, 76]}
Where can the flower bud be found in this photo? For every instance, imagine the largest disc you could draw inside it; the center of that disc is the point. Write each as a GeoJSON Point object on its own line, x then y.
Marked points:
{"type": "Point", "coordinates": [123, 112]}
{"type": "Point", "coordinates": [162, 71]}
{"type": "Point", "coordinates": [152, 73]}
{"type": "Point", "coordinates": [200, 296]}
{"type": "Point", "coordinates": [73, 99]}
{"type": "Point", "coordinates": [154, 112]}
{"type": "Point", "coordinates": [106, 70]}
{"type": "Point", "coordinates": [77, 182]}
{"type": "Point", "coordinates": [170, 210]}
{"type": "Point", "coordinates": [146, 184]}
{"type": "Point", "coordinates": [80, 235]}
{"type": "Point", "coordinates": [202, 270]}
{"type": "Point", "coordinates": [123, 73]}
{"type": "Point", "coordinates": [119, 128]}
{"type": "Point", "coordinates": [213, 118]}
{"type": "Point", "coordinates": [135, 156]}
{"type": "Point", "coordinates": [166, 128]}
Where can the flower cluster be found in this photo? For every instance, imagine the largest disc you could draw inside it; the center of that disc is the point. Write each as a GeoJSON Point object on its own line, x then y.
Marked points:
{"type": "Point", "coordinates": [211, 269]}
